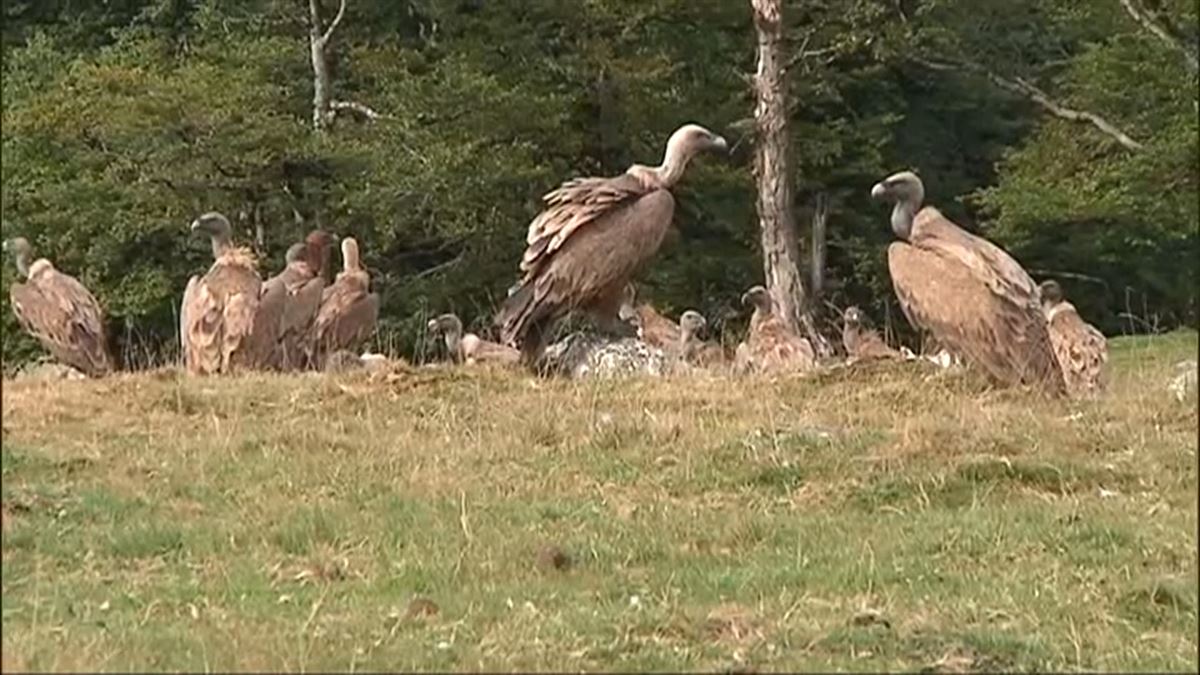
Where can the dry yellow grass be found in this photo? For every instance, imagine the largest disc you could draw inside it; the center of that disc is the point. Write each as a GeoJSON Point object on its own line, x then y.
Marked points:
{"type": "Point", "coordinates": [884, 517]}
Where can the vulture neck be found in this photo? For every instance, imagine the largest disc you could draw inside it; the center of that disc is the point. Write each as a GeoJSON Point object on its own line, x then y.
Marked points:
{"type": "Point", "coordinates": [675, 160]}
{"type": "Point", "coordinates": [221, 244]}
{"type": "Point", "coordinates": [453, 339]}
{"type": "Point", "coordinates": [22, 261]}
{"type": "Point", "coordinates": [902, 219]}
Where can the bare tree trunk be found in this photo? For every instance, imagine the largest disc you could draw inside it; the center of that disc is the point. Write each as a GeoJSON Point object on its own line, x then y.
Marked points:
{"type": "Point", "coordinates": [318, 41]}
{"type": "Point", "coordinates": [816, 284]}
{"type": "Point", "coordinates": [781, 255]}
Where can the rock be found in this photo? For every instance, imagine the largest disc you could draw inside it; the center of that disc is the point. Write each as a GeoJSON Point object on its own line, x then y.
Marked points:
{"type": "Point", "coordinates": [581, 355]}
{"type": "Point", "coordinates": [551, 557]}
{"type": "Point", "coordinates": [49, 370]}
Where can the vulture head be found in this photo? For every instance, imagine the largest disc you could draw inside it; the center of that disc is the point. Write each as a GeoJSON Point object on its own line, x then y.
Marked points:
{"type": "Point", "coordinates": [350, 259]}
{"type": "Point", "coordinates": [906, 191]}
{"type": "Point", "coordinates": [1051, 293]}
{"type": "Point", "coordinates": [691, 324]}
{"type": "Point", "coordinates": [853, 316]}
{"type": "Point", "coordinates": [296, 253]}
{"type": "Point", "coordinates": [217, 227]}
{"type": "Point", "coordinates": [757, 297]}
{"type": "Point", "coordinates": [318, 245]}
{"type": "Point", "coordinates": [688, 141]}
{"type": "Point", "coordinates": [21, 251]}
{"type": "Point", "coordinates": [450, 328]}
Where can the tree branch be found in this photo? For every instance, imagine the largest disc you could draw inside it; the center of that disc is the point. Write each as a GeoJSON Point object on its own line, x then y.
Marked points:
{"type": "Point", "coordinates": [337, 19]}
{"type": "Point", "coordinates": [1140, 15]}
{"type": "Point", "coordinates": [360, 108]}
{"type": "Point", "coordinates": [1031, 92]}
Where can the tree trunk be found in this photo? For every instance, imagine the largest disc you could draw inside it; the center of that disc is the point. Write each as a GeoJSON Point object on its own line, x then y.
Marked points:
{"type": "Point", "coordinates": [816, 273]}
{"type": "Point", "coordinates": [318, 42]}
{"type": "Point", "coordinates": [776, 216]}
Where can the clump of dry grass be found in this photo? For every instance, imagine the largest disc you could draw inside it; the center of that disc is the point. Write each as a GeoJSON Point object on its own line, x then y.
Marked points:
{"type": "Point", "coordinates": [156, 520]}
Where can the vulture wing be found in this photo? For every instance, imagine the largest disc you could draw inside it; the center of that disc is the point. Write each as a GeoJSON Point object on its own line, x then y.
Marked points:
{"type": "Point", "coordinates": [1002, 334]}
{"type": "Point", "coordinates": [188, 294]}
{"type": "Point", "coordinates": [42, 318]}
{"type": "Point", "coordinates": [347, 316]}
{"type": "Point", "coordinates": [987, 262]}
{"type": "Point", "coordinates": [299, 312]}
{"type": "Point", "coordinates": [773, 348]}
{"type": "Point", "coordinates": [201, 314]}
{"type": "Point", "coordinates": [656, 329]}
{"type": "Point", "coordinates": [85, 346]}
{"type": "Point", "coordinates": [1082, 351]}
{"type": "Point", "coordinates": [219, 312]}
{"type": "Point", "coordinates": [267, 324]}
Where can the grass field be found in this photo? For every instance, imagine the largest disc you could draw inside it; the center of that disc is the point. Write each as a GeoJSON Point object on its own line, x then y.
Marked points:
{"type": "Point", "coordinates": [870, 518]}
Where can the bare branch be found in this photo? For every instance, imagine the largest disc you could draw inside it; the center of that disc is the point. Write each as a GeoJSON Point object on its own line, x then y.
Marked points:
{"type": "Point", "coordinates": [314, 19]}
{"type": "Point", "coordinates": [1031, 92]}
{"type": "Point", "coordinates": [360, 108]}
{"type": "Point", "coordinates": [337, 19]}
{"type": "Point", "coordinates": [1140, 15]}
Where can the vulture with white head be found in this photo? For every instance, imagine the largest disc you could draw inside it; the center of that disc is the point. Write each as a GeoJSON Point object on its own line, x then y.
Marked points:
{"type": "Point", "coordinates": [862, 343]}
{"type": "Point", "coordinates": [470, 348]}
{"type": "Point", "coordinates": [652, 328]}
{"type": "Point", "coordinates": [593, 236]}
{"type": "Point", "coordinates": [303, 287]}
{"type": "Point", "coordinates": [966, 291]}
{"type": "Point", "coordinates": [692, 349]}
{"type": "Point", "coordinates": [349, 310]}
{"type": "Point", "coordinates": [60, 312]}
{"type": "Point", "coordinates": [771, 346]}
{"type": "Point", "coordinates": [218, 313]}
{"type": "Point", "coordinates": [1081, 350]}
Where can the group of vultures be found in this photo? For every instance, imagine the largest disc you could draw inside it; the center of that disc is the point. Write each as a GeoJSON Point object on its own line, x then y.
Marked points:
{"type": "Point", "coordinates": [583, 251]}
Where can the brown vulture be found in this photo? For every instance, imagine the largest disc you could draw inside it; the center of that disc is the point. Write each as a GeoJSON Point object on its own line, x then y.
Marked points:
{"type": "Point", "coordinates": [770, 346]}
{"type": "Point", "coordinates": [1081, 350]}
{"type": "Point", "coordinates": [219, 312]}
{"type": "Point", "coordinates": [57, 310]}
{"type": "Point", "coordinates": [593, 236]}
{"type": "Point", "coordinates": [967, 292]}
{"type": "Point", "coordinates": [303, 287]}
{"type": "Point", "coordinates": [862, 343]}
{"type": "Point", "coordinates": [652, 328]}
{"type": "Point", "coordinates": [318, 250]}
{"type": "Point", "coordinates": [692, 349]}
{"type": "Point", "coordinates": [470, 348]}
{"type": "Point", "coordinates": [349, 310]}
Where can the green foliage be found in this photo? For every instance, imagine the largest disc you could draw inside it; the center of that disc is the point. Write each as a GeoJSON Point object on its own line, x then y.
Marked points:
{"type": "Point", "coordinates": [124, 120]}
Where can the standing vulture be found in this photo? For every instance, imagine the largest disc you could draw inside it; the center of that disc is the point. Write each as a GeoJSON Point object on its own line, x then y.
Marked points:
{"type": "Point", "coordinates": [1081, 350]}
{"type": "Point", "coordinates": [349, 311]}
{"type": "Point", "coordinates": [770, 345]}
{"type": "Point", "coordinates": [302, 286]}
{"type": "Point", "coordinates": [220, 309]}
{"type": "Point", "coordinates": [57, 310]}
{"type": "Point", "coordinates": [318, 249]}
{"type": "Point", "coordinates": [652, 328]}
{"type": "Point", "coordinates": [470, 348]}
{"type": "Point", "coordinates": [862, 343]}
{"type": "Point", "coordinates": [971, 295]}
{"type": "Point", "coordinates": [593, 236]}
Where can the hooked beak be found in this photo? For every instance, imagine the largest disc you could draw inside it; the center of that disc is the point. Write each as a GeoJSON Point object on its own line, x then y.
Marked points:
{"type": "Point", "coordinates": [432, 325]}
{"type": "Point", "coordinates": [879, 191]}
{"type": "Point", "coordinates": [195, 225]}
{"type": "Point", "coordinates": [719, 143]}
{"type": "Point", "coordinates": [745, 298]}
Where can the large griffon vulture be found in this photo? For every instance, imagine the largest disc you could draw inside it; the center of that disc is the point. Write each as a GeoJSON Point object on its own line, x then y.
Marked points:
{"type": "Point", "coordinates": [593, 236]}
{"type": "Point", "coordinates": [967, 292]}
{"type": "Point", "coordinates": [349, 310]}
{"type": "Point", "coordinates": [1081, 350]}
{"type": "Point", "coordinates": [470, 348]}
{"type": "Point", "coordinates": [862, 343]}
{"type": "Point", "coordinates": [302, 286]}
{"type": "Point", "coordinates": [770, 346]}
{"type": "Point", "coordinates": [60, 312]}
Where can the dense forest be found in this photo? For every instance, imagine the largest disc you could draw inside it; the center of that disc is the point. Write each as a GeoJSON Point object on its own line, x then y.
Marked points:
{"type": "Point", "coordinates": [1066, 130]}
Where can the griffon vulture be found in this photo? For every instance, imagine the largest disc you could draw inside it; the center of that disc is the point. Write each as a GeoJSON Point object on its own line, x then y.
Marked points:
{"type": "Point", "coordinates": [318, 250]}
{"type": "Point", "coordinates": [593, 236]}
{"type": "Point", "coordinates": [303, 288]}
{"type": "Point", "coordinates": [1081, 350]}
{"type": "Point", "coordinates": [349, 311]}
{"type": "Point", "coordinates": [219, 310]}
{"type": "Point", "coordinates": [57, 310]}
{"type": "Point", "coordinates": [862, 343]}
{"type": "Point", "coordinates": [967, 292]}
{"type": "Point", "coordinates": [770, 345]}
{"type": "Point", "coordinates": [470, 348]}
{"type": "Point", "coordinates": [692, 349]}
{"type": "Point", "coordinates": [652, 328]}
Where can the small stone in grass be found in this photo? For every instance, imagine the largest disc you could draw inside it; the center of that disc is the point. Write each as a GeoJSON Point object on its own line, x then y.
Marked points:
{"type": "Point", "coordinates": [552, 557]}
{"type": "Point", "coordinates": [421, 608]}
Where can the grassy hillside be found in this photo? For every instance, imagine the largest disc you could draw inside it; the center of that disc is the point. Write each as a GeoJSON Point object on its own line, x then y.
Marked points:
{"type": "Point", "coordinates": [870, 518]}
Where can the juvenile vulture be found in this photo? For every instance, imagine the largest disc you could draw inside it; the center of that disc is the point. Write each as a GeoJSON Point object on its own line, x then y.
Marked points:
{"type": "Point", "coordinates": [652, 328]}
{"type": "Point", "coordinates": [303, 288]}
{"type": "Point", "coordinates": [318, 250]}
{"type": "Point", "coordinates": [1081, 350]}
{"type": "Point", "coordinates": [219, 310]}
{"type": "Point", "coordinates": [692, 349]}
{"type": "Point", "coordinates": [862, 343]}
{"type": "Point", "coordinates": [349, 311]}
{"type": "Point", "coordinates": [593, 236]}
{"type": "Point", "coordinates": [57, 310]}
{"type": "Point", "coordinates": [770, 345]}
{"type": "Point", "coordinates": [967, 292]}
{"type": "Point", "coordinates": [470, 348]}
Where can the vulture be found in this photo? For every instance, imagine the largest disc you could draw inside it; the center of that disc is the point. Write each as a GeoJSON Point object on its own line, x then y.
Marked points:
{"type": "Point", "coordinates": [348, 312]}
{"type": "Point", "coordinates": [318, 249]}
{"type": "Point", "coordinates": [693, 350]}
{"type": "Point", "coordinates": [220, 311]}
{"type": "Point", "coordinates": [770, 345]}
{"type": "Point", "coordinates": [1081, 350]}
{"type": "Point", "coordinates": [57, 310]}
{"type": "Point", "coordinates": [592, 237]}
{"type": "Point", "coordinates": [862, 343]}
{"type": "Point", "coordinates": [968, 293]}
{"type": "Point", "coordinates": [303, 286]}
{"type": "Point", "coordinates": [470, 348]}
{"type": "Point", "coordinates": [652, 328]}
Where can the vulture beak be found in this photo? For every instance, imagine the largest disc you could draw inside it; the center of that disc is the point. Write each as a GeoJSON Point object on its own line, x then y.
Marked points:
{"type": "Point", "coordinates": [195, 225]}
{"type": "Point", "coordinates": [719, 143]}
{"type": "Point", "coordinates": [432, 325]}
{"type": "Point", "coordinates": [745, 298]}
{"type": "Point", "coordinates": [879, 191]}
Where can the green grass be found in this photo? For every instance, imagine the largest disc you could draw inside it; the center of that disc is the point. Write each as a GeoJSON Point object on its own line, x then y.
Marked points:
{"type": "Point", "coordinates": [872, 518]}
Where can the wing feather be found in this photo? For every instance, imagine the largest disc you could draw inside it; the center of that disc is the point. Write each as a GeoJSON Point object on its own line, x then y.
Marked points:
{"type": "Point", "coordinates": [1082, 351]}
